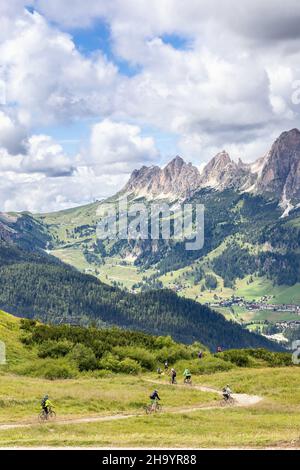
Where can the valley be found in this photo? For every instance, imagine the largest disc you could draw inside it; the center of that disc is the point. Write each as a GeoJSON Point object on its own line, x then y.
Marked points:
{"type": "Point", "coordinates": [249, 266]}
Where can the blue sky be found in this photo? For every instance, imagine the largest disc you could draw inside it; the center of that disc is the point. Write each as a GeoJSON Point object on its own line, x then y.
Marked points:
{"type": "Point", "coordinates": [95, 89]}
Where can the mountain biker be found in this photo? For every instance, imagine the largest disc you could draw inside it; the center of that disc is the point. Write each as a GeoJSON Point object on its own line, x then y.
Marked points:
{"type": "Point", "coordinates": [219, 349]}
{"type": "Point", "coordinates": [187, 376]}
{"type": "Point", "coordinates": [226, 392]}
{"type": "Point", "coordinates": [173, 376]}
{"type": "Point", "coordinates": [46, 404]}
{"type": "Point", "coordinates": [200, 355]}
{"type": "Point", "coordinates": [159, 371]}
{"type": "Point", "coordinates": [166, 365]}
{"type": "Point", "coordinates": [154, 397]}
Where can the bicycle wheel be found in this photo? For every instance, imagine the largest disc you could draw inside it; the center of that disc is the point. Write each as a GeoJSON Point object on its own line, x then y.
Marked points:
{"type": "Point", "coordinates": [52, 415]}
{"type": "Point", "coordinates": [148, 409]}
{"type": "Point", "coordinates": [42, 417]}
{"type": "Point", "coordinates": [158, 408]}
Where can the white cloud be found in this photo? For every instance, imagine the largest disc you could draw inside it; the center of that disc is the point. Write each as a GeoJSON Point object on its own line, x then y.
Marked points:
{"type": "Point", "coordinates": [231, 87]}
{"type": "Point", "coordinates": [117, 147]}
{"type": "Point", "coordinates": [12, 134]}
{"type": "Point", "coordinates": [46, 156]}
{"type": "Point", "coordinates": [48, 79]}
{"type": "Point", "coordinates": [41, 193]}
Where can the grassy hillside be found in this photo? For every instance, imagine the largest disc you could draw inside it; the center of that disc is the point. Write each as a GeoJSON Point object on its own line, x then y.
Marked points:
{"type": "Point", "coordinates": [118, 398]}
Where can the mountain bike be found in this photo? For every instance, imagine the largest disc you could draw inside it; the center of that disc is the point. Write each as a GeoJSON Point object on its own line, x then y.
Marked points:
{"type": "Point", "coordinates": [43, 416]}
{"type": "Point", "coordinates": [153, 408]}
{"type": "Point", "coordinates": [230, 401]}
{"type": "Point", "coordinates": [187, 381]}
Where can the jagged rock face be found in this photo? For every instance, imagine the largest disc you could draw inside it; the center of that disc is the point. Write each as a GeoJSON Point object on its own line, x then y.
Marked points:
{"type": "Point", "coordinates": [280, 174]}
{"type": "Point", "coordinates": [222, 172]}
{"type": "Point", "coordinates": [177, 179]}
{"type": "Point", "coordinates": [276, 174]}
{"type": "Point", "coordinates": [142, 180]}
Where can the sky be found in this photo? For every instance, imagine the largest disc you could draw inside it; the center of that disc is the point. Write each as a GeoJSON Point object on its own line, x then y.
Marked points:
{"type": "Point", "coordinates": [91, 90]}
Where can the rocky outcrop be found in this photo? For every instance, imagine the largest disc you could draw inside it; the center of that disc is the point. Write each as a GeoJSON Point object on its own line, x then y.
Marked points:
{"type": "Point", "coordinates": [276, 174]}
{"type": "Point", "coordinates": [222, 172]}
{"type": "Point", "coordinates": [280, 174]}
{"type": "Point", "coordinates": [176, 179]}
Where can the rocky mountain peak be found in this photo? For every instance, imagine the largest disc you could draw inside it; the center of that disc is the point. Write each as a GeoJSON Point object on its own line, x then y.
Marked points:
{"type": "Point", "coordinates": [176, 179]}
{"type": "Point", "coordinates": [220, 172]}
{"type": "Point", "coordinates": [280, 173]}
{"type": "Point", "coordinates": [276, 174]}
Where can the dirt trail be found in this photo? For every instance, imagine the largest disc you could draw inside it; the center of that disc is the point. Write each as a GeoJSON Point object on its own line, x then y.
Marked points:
{"type": "Point", "coordinates": [241, 399]}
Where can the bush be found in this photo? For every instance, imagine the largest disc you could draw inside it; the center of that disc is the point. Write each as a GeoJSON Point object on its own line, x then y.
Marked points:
{"type": "Point", "coordinates": [55, 348]}
{"type": "Point", "coordinates": [273, 359]}
{"type": "Point", "coordinates": [256, 358]}
{"type": "Point", "coordinates": [109, 362]}
{"type": "Point", "coordinates": [238, 357]}
{"type": "Point", "coordinates": [163, 341]}
{"type": "Point", "coordinates": [84, 357]}
{"type": "Point", "coordinates": [173, 353]}
{"type": "Point", "coordinates": [130, 366]}
{"type": "Point", "coordinates": [57, 371]}
{"type": "Point", "coordinates": [50, 369]}
{"type": "Point", "coordinates": [27, 324]}
{"type": "Point", "coordinates": [145, 358]}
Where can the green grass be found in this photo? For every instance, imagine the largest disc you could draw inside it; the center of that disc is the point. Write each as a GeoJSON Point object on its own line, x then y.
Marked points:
{"type": "Point", "coordinates": [87, 396]}
{"type": "Point", "coordinates": [273, 421]}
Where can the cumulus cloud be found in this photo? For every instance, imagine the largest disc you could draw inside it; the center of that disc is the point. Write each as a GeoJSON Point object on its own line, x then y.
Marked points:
{"type": "Point", "coordinates": [229, 87]}
{"type": "Point", "coordinates": [46, 156]}
{"type": "Point", "coordinates": [49, 79]}
{"type": "Point", "coordinates": [12, 135]}
{"type": "Point", "coordinates": [120, 147]}
{"type": "Point", "coordinates": [41, 155]}
{"type": "Point", "coordinates": [41, 193]}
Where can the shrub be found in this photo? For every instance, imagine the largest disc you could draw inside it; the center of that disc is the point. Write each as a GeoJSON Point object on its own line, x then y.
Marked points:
{"type": "Point", "coordinates": [84, 357]}
{"type": "Point", "coordinates": [55, 348]}
{"type": "Point", "coordinates": [173, 353]}
{"type": "Point", "coordinates": [239, 357]}
{"type": "Point", "coordinates": [109, 362]}
{"type": "Point", "coordinates": [58, 371]}
{"type": "Point", "coordinates": [50, 369]}
{"type": "Point", "coordinates": [273, 359]}
{"type": "Point", "coordinates": [130, 366]}
{"type": "Point", "coordinates": [163, 341]}
{"type": "Point", "coordinates": [27, 324]}
{"type": "Point", "coordinates": [145, 358]}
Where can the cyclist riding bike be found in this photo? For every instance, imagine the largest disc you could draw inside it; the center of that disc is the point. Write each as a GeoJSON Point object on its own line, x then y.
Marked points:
{"type": "Point", "coordinates": [226, 393]}
{"type": "Point", "coordinates": [154, 397]}
{"type": "Point", "coordinates": [46, 405]}
{"type": "Point", "coordinates": [187, 376]}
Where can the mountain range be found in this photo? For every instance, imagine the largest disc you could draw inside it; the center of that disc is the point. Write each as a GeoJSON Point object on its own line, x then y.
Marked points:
{"type": "Point", "coordinates": [276, 174]}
